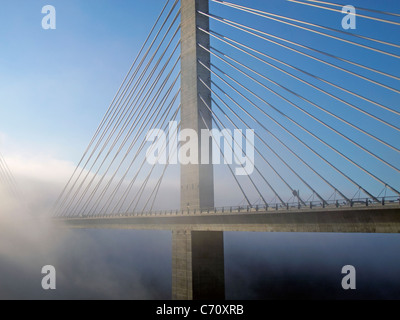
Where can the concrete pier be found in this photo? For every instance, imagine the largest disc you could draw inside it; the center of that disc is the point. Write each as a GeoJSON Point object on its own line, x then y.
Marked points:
{"type": "Point", "coordinates": [197, 257]}
{"type": "Point", "coordinates": [198, 265]}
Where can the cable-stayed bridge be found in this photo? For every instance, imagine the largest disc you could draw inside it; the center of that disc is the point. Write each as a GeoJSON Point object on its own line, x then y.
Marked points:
{"type": "Point", "coordinates": [305, 109]}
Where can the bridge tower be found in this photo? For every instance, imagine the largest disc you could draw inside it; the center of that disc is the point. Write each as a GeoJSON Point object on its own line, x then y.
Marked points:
{"type": "Point", "coordinates": [197, 186]}
{"type": "Point", "coordinates": [197, 256]}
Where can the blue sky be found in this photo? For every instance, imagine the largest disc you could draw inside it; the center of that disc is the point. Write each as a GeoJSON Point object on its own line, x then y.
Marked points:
{"type": "Point", "coordinates": [55, 85]}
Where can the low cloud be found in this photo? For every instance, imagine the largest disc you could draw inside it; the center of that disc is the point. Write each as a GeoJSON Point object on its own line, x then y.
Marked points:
{"type": "Point", "coordinates": [90, 264]}
{"type": "Point", "coordinates": [115, 264]}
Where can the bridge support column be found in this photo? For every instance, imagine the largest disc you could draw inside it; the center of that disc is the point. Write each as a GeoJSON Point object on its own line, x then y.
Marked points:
{"type": "Point", "coordinates": [182, 287]}
{"type": "Point", "coordinates": [197, 257]}
{"type": "Point", "coordinates": [198, 265]}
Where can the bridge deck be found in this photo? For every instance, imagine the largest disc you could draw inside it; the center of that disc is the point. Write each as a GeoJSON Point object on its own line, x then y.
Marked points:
{"type": "Point", "coordinates": [384, 219]}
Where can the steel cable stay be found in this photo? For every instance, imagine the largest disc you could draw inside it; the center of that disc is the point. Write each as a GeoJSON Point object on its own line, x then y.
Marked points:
{"type": "Point", "coordinates": [112, 109]}
{"type": "Point", "coordinates": [297, 124]}
{"type": "Point", "coordinates": [267, 130]}
{"type": "Point", "coordinates": [148, 94]}
{"type": "Point", "coordinates": [112, 195]}
{"type": "Point", "coordinates": [253, 118]}
{"type": "Point", "coordinates": [229, 167]}
{"type": "Point", "coordinates": [156, 192]}
{"type": "Point", "coordinates": [320, 52]}
{"type": "Point", "coordinates": [306, 130]}
{"type": "Point", "coordinates": [122, 179]}
{"type": "Point", "coordinates": [158, 184]}
{"type": "Point", "coordinates": [293, 135]}
{"type": "Point", "coordinates": [144, 123]}
{"type": "Point", "coordinates": [108, 203]}
{"type": "Point", "coordinates": [3, 179]}
{"type": "Point", "coordinates": [147, 111]}
{"type": "Point", "coordinates": [336, 10]}
{"type": "Point", "coordinates": [266, 144]}
{"type": "Point", "coordinates": [125, 110]}
{"type": "Point", "coordinates": [143, 73]}
{"type": "Point", "coordinates": [123, 198]}
{"type": "Point", "coordinates": [232, 149]}
{"type": "Point", "coordinates": [157, 189]}
{"type": "Point", "coordinates": [166, 110]}
{"type": "Point", "coordinates": [139, 132]}
{"type": "Point", "coordinates": [145, 100]}
{"type": "Point", "coordinates": [358, 8]}
{"type": "Point", "coordinates": [243, 28]}
{"type": "Point", "coordinates": [322, 122]}
{"type": "Point", "coordinates": [268, 15]}
{"type": "Point", "coordinates": [257, 150]}
{"type": "Point", "coordinates": [230, 42]}
{"type": "Point", "coordinates": [128, 99]}
{"type": "Point", "coordinates": [215, 117]}
{"type": "Point", "coordinates": [142, 111]}
{"type": "Point", "coordinates": [8, 178]}
{"type": "Point", "coordinates": [313, 117]}
{"type": "Point", "coordinates": [144, 184]}
{"type": "Point", "coordinates": [259, 153]}
{"type": "Point", "coordinates": [141, 189]}
{"type": "Point", "coordinates": [326, 111]}
{"type": "Point", "coordinates": [119, 121]}
{"type": "Point", "coordinates": [121, 201]}
{"type": "Point", "coordinates": [128, 107]}
{"type": "Point", "coordinates": [138, 118]}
